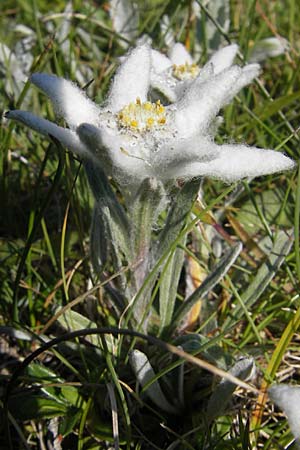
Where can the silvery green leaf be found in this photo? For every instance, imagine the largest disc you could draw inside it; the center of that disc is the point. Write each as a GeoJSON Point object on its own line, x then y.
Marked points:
{"type": "Point", "coordinates": [107, 239]}
{"type": "Point", "coordinates": [144, 211]}
{"type": "Point", "coordinates": [222, 395]}
{"type": "Point", "coordinates": [144, 374]}
{"type": "Point", "coordinates": [107, 247]}
{"type": "Point", "coordinates": [99, 240]}
{"type": "Point", "coordinates": [88, 40]}
{"type": "Point", "coordinates": [15, 333]}
{"type": "Point", "coordinates": [179, 208]}
{"type": "Point", "coordinates": [110, 228]}
{"type": "Point", "coordinates": [11, 70]}
{"type": "Point", "coordinates": [73, 321]}
{"type": "Point", "coordinates": [277, 253]}
{"type": "Point", "coordinates": [169, 286]}
{"type": "Point", "coordinates": [208, 284]}
{"type": "Point", "coordinates": [288, 399]}
{"type": "Point", "coordinates": [167, 31]}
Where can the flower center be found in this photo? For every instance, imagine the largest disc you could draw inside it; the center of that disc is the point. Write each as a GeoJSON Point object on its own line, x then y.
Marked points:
{"type": "Point", "coordinates": [140, 116]}
{"type": "Point", "coordinates": [185, 71]}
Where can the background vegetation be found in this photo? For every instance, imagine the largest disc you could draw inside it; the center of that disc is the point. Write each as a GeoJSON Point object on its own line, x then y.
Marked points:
{"type": "Point", "coordinates": [65, 397]}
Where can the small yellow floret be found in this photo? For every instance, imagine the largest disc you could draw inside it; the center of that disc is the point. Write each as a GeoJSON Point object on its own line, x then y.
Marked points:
{"type": "Point", "coordinates": [148, 106]}
{"type": "Point", "coordinates": [185, 71]}
{"type": "Point", "coordinates": [150, 122]}
{"type": "Point", "coordinates": [134, 123]}
{"type": "Point", "coordinates": [141, 117]}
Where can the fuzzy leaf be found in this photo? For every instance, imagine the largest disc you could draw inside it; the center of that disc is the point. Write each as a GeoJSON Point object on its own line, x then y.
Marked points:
{"type": "Point", "coordinates": [169, 286]}
{"type": "Point", "coordinates": [110, 224]}
{"type": "Point", "coordinates": [72, 321]}
{"type": "Point", "coordinates": [268, 48]}
{"type": "Point", "coordinates": [144, 211]}
{"type": "Point", "coordinates": [100, 240]}
{"type": "Point", "coordinates": [223, 393]}
{"type": "Point", "coordinates": [15, 333]}
{"type": "Point", "coordinates": [144, 373]}
{"type": "Point", "coordinates": [287, 397]}
{"type": "Point", "coordinates": [178, 211]}
{"type": "Point", "coordinates": [125, 19]}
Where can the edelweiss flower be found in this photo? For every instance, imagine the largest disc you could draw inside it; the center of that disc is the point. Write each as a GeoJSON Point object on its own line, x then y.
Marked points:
{"type": "Point", "coordinates": [133, 139]}
{"type": "Point", "coordinates": [171, 75]}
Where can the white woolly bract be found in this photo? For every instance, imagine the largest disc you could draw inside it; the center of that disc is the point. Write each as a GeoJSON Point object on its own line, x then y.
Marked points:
{"type": "Point", "coordinates": [159, 61]}
{"type": "Point", "coordinates": [132, 79]}
{"type": "Point", "coordinates": [287, 398]}
{"type": "Point", "coordinates": [232, 163]}
{"type": "Point", "coordinates": [68, 100]}
{"type": "Point", "coordinates": [66, 137]}
{"type": "Point", "coordinates": [203, 100]}
{"type": "Point", "coordinates": [179, 55]}
{"type": "Point", "coordinates": [223, 58]}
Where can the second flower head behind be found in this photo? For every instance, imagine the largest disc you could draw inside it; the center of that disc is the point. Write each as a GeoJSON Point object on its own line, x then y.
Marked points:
{"type": "Point", "coordinates": [172, 74]}
{"type": "Point", "coordinates": [133, 138]}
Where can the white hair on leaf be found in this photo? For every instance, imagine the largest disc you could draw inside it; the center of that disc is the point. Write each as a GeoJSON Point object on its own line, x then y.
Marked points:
{"type": "Point", "coordinates": [287, 398]}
